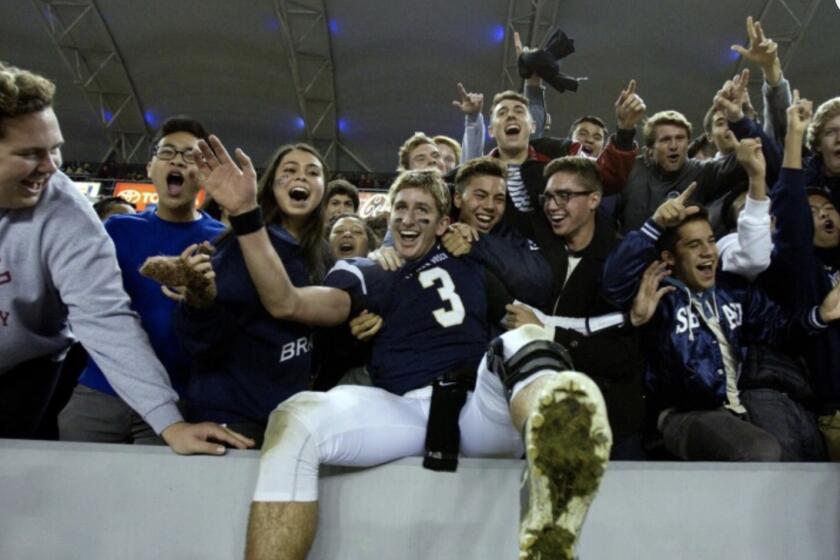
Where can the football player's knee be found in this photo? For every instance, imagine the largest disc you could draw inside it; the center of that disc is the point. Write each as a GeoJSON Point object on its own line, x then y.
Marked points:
{"type": "Point", "coordinates": [290, 457]}
{"type": "Point", "coordinates": [294, 421]}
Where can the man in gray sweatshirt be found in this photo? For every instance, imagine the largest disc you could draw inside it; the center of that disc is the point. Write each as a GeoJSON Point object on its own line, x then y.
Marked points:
{"type": "Point", "coordinates": [58, 271]}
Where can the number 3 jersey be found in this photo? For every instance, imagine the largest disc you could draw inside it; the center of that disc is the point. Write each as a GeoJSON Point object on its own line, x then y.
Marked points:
{"type": "Point", "coordinates": [434, 313]}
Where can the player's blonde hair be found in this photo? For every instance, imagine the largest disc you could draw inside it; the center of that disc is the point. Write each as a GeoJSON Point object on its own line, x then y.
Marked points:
{"type": "Point", "coordinates": [429, 180]}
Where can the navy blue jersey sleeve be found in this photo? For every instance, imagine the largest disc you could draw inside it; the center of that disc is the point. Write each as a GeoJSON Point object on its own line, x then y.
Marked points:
{"type": "Point", "coordinates": [626, 264]}
{"type": "Point", "coordinates": [767, 322]}
{"type": "Point", "coordinates": [519, 264]}
{"type": "Point", "coordinates": [362, 279]}
{"type": "Point", "coordinates": [748, 128]}
{"type": "Point", "coordinates": [794, 233]}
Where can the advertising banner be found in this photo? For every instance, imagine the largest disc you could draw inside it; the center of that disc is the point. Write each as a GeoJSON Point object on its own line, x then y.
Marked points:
{"type": "Point", "coordinates": [372, 203]}
{"type": "Point", "coordinates": [143, 194]}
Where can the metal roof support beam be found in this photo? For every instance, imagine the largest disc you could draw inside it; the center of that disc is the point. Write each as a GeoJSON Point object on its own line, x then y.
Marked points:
{"type": "Point", "coordinates": [306, 41]}
{"type": "Point", "coordinates": [87, 48]}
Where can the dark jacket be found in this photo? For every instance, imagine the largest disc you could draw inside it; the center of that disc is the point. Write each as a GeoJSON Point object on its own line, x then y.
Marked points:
{"type": "Point", "coordinates": [648, 186]}
{"type": "Point", "coordinates": [614, 163]}
{"type": "Point", "coordinates": [815, 177]}
{"type": "Point", "coordinates": [517, 262]}
{"type": "Point", "coordinates": [802, 275]}
{"type": "Point", "coordinates": [245, 362]}
{"type": "Point", "coordinates": [612, 358]}
{"type": "Point", "coordinates": [685, 364]}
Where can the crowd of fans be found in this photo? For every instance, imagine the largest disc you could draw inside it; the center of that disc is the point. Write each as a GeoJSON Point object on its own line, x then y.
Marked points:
{"type": "Point", "coordinates": [696, 282]}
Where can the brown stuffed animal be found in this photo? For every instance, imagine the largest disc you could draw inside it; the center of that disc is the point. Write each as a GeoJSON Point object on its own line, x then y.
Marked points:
{"type": "Point", "coordinates": [174, 271]}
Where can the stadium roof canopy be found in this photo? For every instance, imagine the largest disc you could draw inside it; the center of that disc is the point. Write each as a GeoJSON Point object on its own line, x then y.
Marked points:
{"type": "Point", "coordinates": [366, 74]}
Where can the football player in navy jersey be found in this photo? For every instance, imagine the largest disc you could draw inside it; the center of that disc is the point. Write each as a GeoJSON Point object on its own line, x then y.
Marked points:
{"type": "Point", "coordinates": [435, 319]}
{"type": "Point", "coordinates": [479, 201]}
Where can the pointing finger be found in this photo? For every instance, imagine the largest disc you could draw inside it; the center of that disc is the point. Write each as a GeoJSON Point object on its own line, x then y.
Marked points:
{"type": "Point", "coordinates": [686, 194]}
{"type": "Point", "coordinates": [462, 92]}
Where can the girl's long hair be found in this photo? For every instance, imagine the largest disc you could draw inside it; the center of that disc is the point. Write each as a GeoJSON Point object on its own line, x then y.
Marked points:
{"type": "Point", "coordinates": [315, 249]}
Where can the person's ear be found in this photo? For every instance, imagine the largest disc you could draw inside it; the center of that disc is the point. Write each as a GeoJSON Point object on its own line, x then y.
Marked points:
{"type": "Point", "coordinates": [442, 226]}
{"type": "Point", "coordinates": [594, 200]}
{"type": "Point", "coordinates": [457, 200]}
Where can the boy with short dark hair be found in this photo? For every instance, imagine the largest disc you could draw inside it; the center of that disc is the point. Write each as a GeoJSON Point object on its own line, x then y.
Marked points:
{"type": "Point", "coordinates": [700, 325]}
{"type": "Point", "coordinates": [95, 412]}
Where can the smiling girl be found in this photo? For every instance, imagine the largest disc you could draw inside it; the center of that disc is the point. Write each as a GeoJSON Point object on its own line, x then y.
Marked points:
{"type": "Point", "coordinates": [245, 361]}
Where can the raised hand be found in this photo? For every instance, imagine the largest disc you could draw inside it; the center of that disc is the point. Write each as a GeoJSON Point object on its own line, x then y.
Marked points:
{"type": "Point", "coordinates": [731, 97]}
{"type": "Point", "coordinates": [518, 315]}
{"type": "Point", "coordinates": [649, 294]}
{"type": "Point", "coordinates": [799, 115]}
{"type": "Point", "coordinates": [233, 185]}
{"type": "Point", "coordinates": [629, 107]}
{"type": "Point", "coordinates": [533, 79]}
{"type": "Point", "coordinates": [763, 51]}
{"type": "Point", "coordinates": [749, 154]}
{"type": "Point", "coordinates": [673, 211]}
{"type": "Point", "coordinates": [470, 103]}
{"type": "Point", "coordinates": [365, 325]}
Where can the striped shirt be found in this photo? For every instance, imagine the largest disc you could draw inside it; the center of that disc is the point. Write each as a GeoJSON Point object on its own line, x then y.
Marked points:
{"type": "Point", "coordinates": [516, 189]}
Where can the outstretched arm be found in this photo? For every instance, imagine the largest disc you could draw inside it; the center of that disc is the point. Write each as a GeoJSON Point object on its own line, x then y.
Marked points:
{"type": "Point", "coordinates": [534, 91]}
{"type": "Point", "coordinates": [233, 184]}
{"type": "Point", "coordinates": [472, 144]}
{"type": "Point", "coordinates": [775, 89]}
{"type": "Point", "coordinates": [794, 233]}
{"type": "Point", "coordinates": [748, 252]}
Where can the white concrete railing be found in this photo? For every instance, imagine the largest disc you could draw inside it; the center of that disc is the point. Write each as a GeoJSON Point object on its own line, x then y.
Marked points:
{"type": "Point", "coordinates": [90, 501]}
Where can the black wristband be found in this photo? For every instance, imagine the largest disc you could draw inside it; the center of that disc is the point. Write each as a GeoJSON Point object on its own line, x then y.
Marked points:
{"type": "Point", "coordinates": [246, 223]}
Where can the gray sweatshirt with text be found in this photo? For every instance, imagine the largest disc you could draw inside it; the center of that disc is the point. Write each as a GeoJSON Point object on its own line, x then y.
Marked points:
{"type": "Point", "coordinates": [58, 271]}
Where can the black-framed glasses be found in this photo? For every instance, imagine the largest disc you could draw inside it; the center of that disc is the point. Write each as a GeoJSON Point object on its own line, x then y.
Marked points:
{"type": "Point", "coordinates": [167, 152]}
{"type": "Point", "coordinates": [560, 197]}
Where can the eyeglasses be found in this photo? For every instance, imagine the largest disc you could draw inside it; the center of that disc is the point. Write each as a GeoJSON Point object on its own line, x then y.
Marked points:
{"type": "Point", "coordinates": [560, 197]}
{"type": "Point", "coordinates": [167, 153]}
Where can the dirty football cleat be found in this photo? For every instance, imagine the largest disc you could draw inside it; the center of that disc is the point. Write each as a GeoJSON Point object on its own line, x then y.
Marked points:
{"type": "Point", "coordinates": [567, 442]}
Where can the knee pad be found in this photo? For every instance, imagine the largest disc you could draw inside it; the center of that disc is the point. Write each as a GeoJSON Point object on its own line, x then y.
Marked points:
{"type": "Point", "coordinates": [534, 356]}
